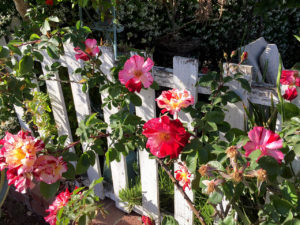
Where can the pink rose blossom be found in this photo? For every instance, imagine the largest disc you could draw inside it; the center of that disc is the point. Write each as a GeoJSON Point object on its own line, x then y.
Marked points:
{"type": "Point", "coordinates": [91, 49]}
{"type": "Point", "coordinates": [20, 181]}
{"type": "Point", "coordinates": [290, 77]}
{"type": "Point", "coordinates": [19, 151]}
{"type": "Point", "coordinates": [184, 177]}
{"type": "Point", "coordinates": [174, 100]}
{"type": "Point", "coordinates": [136, 73]}
{"type": "Point", "coordinates": [49, 169]}
{"type": "Point", "coordinates": [266, 141]}
{"type": "Point", "coordinates": [60, 201]}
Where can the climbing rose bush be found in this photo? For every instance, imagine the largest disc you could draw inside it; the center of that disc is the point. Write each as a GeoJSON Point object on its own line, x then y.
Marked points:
{"type": "Point", "coordinates": [268, 142]}
{"type": "Point", "coordinates": [91, 50]}
{"type": "Point", "coordinates": [60, 201]}
{"type": "Point", "coordinates": [183, 176]}
{"type": "Point", "coordinates": [166, 137]}
{"type": "Point", "coordinates": [174, 100]}
{"type": "Point", "coordinates": [136, 73]}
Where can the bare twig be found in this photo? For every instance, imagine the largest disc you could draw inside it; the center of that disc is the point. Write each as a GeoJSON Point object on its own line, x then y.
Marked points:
{"type": "Point", "coordinates": [190, 203]}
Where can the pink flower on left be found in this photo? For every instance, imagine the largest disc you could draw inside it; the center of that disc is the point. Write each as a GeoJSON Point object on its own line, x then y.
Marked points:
{"type": "Point", "coordinates": [61, 200]}
{"type": "Point", "coordinates": [268, 142]}
{"type": "Point", "coordinates": [91, 50]}
{"type": "Point", "coordinates": [136, 73]}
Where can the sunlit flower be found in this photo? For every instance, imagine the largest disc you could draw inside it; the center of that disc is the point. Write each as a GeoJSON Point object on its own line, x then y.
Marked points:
{"type": "Point", "coordinates": [49, 169]}
{"type": "Point", "coordinates": [91, 49]}
{"type": "Point", "coordinates": [174, 100]}
{"type": "Point", "coordinates": [147, 220]}
{"type": "Point", "coordinates": [20, 151]}
{"type": "Point", "coordinates": [165, 137]}
{"type": "Point", "coordinates": [290, 93]}
{"type": "Point", "coordinates": [60, 201]}
{"type": "Point", "coordinates": [211, 185]}
{"type": "Point", "coordinates": [266, 141]}
{"type": "Point", "coordinates": [49, 2]}
{"type": "Point", "coordinates": [136, 73]}
{"type": "Point", "coordinates": [20, 181]}
{"type": "Point", "coordinates": [184, 177]}
{"type": "Point", "coordinates": [290, 77]}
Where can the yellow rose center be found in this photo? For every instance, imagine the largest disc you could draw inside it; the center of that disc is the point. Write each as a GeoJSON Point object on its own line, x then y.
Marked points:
{"type": "Point", "coordinates": [138, 73]}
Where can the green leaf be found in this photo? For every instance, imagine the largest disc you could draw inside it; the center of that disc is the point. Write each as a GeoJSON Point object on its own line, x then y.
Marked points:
{"type": "Point", "coordinates": [215, 197]}
{"type": "Point", "coordinates": [110, 155]}
{"type": "Point", "coordinates": [14, 49]}
{"type": "Point", "coordinates": [45, 27]}
{"type": "Point", "coordinates": [215, 116]}
{"type": "Point", "coordinates": [26, 64]}
{"type": "Point", "coordinates": [135, 99]}
{"type": "Point", "coordinates": [297, 149]}
{"type": "Point", "coordinates": [270, 165]}
{"type": "Point", "coordinates": [38, 55]}
{"type": "Point", "coordinates": [254, 155]}
{"type": "Point", "coordinates": [53, 19]}
{"type": "Point", "coordinates": [49, 190]}
{"type": "Point", "coordinates": [297, 37]}
{"type": "Point", "coordinates": [83, 164]}
{"type": "Point", "coordinates": [169, 220]}
{"type": "Point", "coordinates": [282, 206]}
{"type": "Point", "coordinates": [69, 156]}
{"type": "Point", "coordinates": [82, 220]}
{"type": "Point", "coordinates": [232, 97]}
{"type": "Point", "coordinates": [4, 52]}
{"type": "Point", "coordinates": [34, 37]}
{"type": "Point", "coordinates": [155, 86]}
{"type": "Point", "coordinates": [245, 84]}
{"type": "Point", "coordinates": [290, 110]}
{"type": "Point", "coordinates": [191, 161]}
{"type": "Point", "coordinates": [52, 52]}
{"type": "Point", "coordinates": [217, 165]}
{"type": "Point", "coordinates": [229, 220]}
{"type": "Point", "coordinates": [70, 174]}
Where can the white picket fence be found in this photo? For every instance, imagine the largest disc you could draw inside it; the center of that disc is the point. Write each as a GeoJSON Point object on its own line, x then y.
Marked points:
{"type": "Point", "coordinates": [184, 75]}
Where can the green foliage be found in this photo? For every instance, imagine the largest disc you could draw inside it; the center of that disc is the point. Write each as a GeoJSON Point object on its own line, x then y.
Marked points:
{"type": "Point", "coordinates": [132, 196]}
{"type": "Point", "coordinates": [49, 190]}
{"type": "Point", "coordinates": [169, 220]}
{"type": "Point", "coordinates": [82, 207]}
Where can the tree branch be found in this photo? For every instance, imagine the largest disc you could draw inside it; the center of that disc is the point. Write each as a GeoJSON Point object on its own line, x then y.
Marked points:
{"type": "Point", "coordinates": [190, 203]}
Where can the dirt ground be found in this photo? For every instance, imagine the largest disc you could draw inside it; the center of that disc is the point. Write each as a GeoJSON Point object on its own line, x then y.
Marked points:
{"type": "Point", "coordinates": [14, 212]}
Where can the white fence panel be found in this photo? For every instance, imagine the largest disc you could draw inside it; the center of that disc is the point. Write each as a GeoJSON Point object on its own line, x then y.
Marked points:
{"type": "Point", "coordinates": [82, 107]}
{"type": "Point", "coordinates": [118, 169]}
{"type": "Point", "coordinates": [148, 167]}
{"type": "Point", "coordinates": [185, 77]}
{"type": "Point", "coordinates": [57, 102]}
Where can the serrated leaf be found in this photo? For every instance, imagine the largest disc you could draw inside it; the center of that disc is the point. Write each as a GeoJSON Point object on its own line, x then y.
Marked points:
{"type": "Point", "coordinates": [135, 99]}
{"type": "Point", "coordinates": [52, 52]}
{"type": "Point", "coordinates": [26, 64]}
{"type": "Point", "coordinates": [169, 220]}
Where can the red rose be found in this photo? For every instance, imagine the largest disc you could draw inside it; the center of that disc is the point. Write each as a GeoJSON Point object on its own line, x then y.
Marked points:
{"type": "Point", "coordinates": [290, 93]}
{"type": "Point", "coordinates": [49, 2]}
{"type": "Point", "coordinates": [165, 137]}
{"type": "Point", "coordinates": [147, 220]}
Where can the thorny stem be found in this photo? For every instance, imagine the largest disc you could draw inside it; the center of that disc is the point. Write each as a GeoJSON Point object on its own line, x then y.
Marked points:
{"type": "Point", "coordinates": [190, 203]}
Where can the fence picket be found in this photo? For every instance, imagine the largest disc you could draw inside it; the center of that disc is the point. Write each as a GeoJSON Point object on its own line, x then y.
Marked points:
{"type": "Point", "coordinates": [57, 102]}
{"type": "Point", "coordinates": [82, 107]}
{"type": "Point", "coordinates": [118, 169]}
{"type": "Point", "coordinates": [185, 77]}
{"type": "Point", "coordinates": [236, 115]}
{"type": "Point", "coordinates": [148, 167]}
